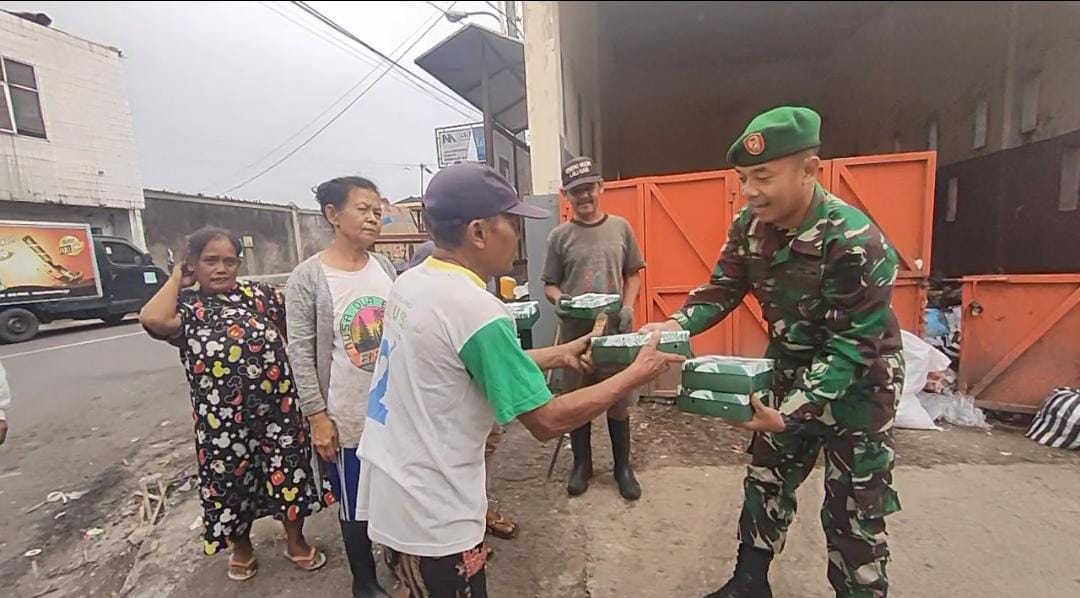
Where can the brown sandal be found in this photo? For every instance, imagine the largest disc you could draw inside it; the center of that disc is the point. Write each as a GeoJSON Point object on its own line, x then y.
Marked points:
{"type": "Point", "coordinates": [242, 571]}
{"type": "Point", "coordinates": [501, 526]}
{"type": "Point", "coordinates": [312, 562]}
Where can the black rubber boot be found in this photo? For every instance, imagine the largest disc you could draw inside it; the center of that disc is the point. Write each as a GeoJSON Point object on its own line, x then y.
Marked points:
{"type": "Point", "coordinates": [751, 576]}
{"type": "Point", "coordinates": [620, 450]}
{"type": "Point", "coordinates": [581, 444]}
{"type": "Point", "coordinates": [361, 561]}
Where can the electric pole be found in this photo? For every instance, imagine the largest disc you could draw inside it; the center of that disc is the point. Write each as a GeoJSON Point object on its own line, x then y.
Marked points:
{"type": "Point", "coordinates": [510, 8]}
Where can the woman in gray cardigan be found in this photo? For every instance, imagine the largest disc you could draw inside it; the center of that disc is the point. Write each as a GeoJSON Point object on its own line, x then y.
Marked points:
{"type": "Point", "coordinates": [334, 305]}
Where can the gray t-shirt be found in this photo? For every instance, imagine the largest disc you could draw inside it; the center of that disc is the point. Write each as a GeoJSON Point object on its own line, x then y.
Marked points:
{"type": "Point", "coordinates": [591, 258]}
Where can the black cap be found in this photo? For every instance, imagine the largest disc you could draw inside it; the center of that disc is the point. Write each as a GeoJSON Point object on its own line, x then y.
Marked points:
{"type": "Point", "coordinates": [471, 191]}
{"type": "Point", "coordinates": [578, 172]}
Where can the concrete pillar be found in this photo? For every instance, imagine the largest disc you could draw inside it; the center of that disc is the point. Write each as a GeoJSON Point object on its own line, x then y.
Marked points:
{"type": "Point", "coordinates": [543, 84]}
{"type": "Point", "coordinates": [138, 233]}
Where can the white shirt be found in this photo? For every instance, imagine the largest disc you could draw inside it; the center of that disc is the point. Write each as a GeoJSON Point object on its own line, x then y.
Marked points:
{"type": "Point", "coordinates": [359, 299]}
{"type": "Point", "coordinates": [449, 367]}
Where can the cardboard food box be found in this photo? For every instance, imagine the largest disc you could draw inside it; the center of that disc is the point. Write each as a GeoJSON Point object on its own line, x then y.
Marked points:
{"type": "Point", "coordinates": [622, 349]}
{"type": "Point", "coordinates": [730, 406]}
{"type": "Point", "coordinates": [526, 314]}
{"type": "Point", "coordinates": [721, 373]}
{"type": "Point", "coordinates": [590, 305]}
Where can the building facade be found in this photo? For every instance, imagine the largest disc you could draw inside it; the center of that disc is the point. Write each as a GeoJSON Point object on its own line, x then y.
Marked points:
{"type": "Point", "coordinates": [67, 144]}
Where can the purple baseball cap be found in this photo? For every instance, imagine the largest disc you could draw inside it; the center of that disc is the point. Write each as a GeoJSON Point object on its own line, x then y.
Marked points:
{"type": "Point", "coordinates": [471, 191]}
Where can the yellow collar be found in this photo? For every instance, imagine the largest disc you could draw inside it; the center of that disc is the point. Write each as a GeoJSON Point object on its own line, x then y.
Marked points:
{"type": "Point", "coordinates": [437, 264]}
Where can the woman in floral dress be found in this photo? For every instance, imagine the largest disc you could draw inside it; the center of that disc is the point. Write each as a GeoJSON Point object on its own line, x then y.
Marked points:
{"type": "Point", "coordinates": [251, 440]}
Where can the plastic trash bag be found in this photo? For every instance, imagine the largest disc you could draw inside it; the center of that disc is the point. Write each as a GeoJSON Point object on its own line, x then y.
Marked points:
{"type": "Point", "coordinates": [921, 359]}
{"type": "Point", "coordinates": [957, 409]}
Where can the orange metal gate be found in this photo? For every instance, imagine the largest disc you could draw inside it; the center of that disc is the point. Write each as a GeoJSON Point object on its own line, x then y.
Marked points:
{"type": "Point", "coordinates": [1019, 339]}
{"type": "Point", "coordinates": [681, 222]}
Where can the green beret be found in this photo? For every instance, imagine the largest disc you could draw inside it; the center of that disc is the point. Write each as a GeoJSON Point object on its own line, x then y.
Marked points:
{"type": "Point", "coordinates": [775, 134]}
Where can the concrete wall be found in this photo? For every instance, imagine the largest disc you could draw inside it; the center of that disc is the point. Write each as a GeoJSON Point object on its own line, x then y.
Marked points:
{"type": "Point", "coordinates": [315, 233]}
{"type": "Point", "coordinates": [169, 218]}
{"type": "Point", "coordinates": [110, 221]}
{"type": "Point", "coordinates": [89, 157]}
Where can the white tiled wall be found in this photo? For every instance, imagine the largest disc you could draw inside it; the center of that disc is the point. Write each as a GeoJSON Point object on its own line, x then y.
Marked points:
{"type": "Point", "coordinates": [89, 158]}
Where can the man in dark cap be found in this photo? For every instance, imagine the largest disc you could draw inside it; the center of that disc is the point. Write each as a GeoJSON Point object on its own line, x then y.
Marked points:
{"type": "Point", "coordinates": [449, 367]}
{"type": "Point", "coordinates": [594, 252]}
{"type": "Point", "coordinates": [823, 274]}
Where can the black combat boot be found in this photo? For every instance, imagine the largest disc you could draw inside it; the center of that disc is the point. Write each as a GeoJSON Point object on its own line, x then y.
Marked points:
{"type": "Point", "coordinates": [620, 450]}
{"type": "Point", "coordinates": [361, 562]}
{"type": "Point", "coordinates": [751, 576]}
{"type": "Point", "coordinates": [581, 444]}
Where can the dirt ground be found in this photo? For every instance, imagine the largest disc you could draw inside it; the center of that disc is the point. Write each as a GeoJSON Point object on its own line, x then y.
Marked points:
{"type": "Point", "coordinates": [985, 514]}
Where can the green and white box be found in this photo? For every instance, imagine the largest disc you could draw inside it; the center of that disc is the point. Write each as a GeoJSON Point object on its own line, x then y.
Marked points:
{"type": "Point", "coordinates": [622, 349]}
{"type": "Point", "coordinates": [722, 373]}
{"type": "Point", "coordinates": [590, 305]}
{"type": "Point", "coordinates": [730, 406]}
{"type": "Point", "coordinates": [526, 314]}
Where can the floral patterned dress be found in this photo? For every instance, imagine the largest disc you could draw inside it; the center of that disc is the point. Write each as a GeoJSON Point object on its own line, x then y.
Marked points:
{"type": "Point", "coordinates": [252, 441]}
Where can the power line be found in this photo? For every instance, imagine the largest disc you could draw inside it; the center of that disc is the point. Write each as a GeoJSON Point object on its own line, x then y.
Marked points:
{"type": "Point", "coordinates": [286, 141]}
{"type": "Point", "coordinates": [496, 8]}
{"type": "Point", "coordinates": [341, 113]}
{"type": "Point", "coordinates": [394, 63]}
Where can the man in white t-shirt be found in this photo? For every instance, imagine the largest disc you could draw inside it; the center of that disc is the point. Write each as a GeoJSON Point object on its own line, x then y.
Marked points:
{"type": "Point", "coordinates": [449, 367]}
{"type": "Point", "coordinates": [334, 307]}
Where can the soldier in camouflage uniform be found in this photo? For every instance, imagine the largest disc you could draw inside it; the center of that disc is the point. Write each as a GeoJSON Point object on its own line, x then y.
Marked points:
{"type": "Point", "coordinates": [823, 274]}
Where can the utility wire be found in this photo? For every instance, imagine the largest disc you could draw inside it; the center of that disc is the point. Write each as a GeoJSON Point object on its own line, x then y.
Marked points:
{"type": "Point", "coordinates": [394, 63]}
{"type": "Point", "coordinates": [341, 113]}
{"type": "Point", "coordinates": [375, 67]}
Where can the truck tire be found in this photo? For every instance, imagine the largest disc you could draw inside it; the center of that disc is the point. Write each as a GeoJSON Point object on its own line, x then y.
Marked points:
{"type": "Point", "coordinates": [17, 325]}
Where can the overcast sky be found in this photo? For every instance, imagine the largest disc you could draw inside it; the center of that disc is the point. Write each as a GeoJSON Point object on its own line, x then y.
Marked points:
{"type": "Point", "coordinates": [214, 87]}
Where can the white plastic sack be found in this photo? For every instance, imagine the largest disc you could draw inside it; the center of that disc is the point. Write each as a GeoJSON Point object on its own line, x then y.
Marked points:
{"type": "Point", "coordinates": [921, 359]}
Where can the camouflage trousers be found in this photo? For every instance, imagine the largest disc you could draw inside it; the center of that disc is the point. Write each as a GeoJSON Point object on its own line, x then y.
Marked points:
{"type": "Point", "coordinates": [858, 496]}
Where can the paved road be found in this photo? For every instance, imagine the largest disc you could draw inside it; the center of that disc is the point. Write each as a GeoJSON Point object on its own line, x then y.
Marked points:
{"type": "Point", "coordinates": [81, 394]}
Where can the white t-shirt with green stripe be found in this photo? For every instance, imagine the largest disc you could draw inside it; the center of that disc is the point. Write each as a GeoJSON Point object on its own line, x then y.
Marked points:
{"type": "Point", "coordinates": [449, 367]}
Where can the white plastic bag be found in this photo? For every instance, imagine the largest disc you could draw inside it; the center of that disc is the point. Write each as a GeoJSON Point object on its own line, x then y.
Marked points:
{"type": "Point", "coordinates": [921, 359]}
{"type": "Point", "coordinates": [957, 409]}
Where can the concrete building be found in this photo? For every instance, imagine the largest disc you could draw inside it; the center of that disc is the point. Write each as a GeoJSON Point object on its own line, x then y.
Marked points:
{"type": "Point", "coordinates": [67, 145]}
{"type": "Point", "coordinates": [659, 88]}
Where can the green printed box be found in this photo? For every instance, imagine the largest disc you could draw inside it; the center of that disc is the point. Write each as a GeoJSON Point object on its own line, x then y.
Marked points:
{"type": "Point", "coordinates": [526, 314]}
{"type": "Point", "coordinates": [730, 406]}
{"type": "Point", "coordinates": [622, 349]}
{"type": "Point", "coordinates": [590, 305]}
{"type": "Point", "coordinates": [721, 373]}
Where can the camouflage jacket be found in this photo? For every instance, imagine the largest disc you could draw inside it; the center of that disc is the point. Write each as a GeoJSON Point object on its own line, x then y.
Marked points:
{"type": "Point", "coordinates": [826, 292]}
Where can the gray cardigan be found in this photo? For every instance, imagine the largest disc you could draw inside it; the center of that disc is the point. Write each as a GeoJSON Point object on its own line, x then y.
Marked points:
{"type": "Point", "coordinates": [309, 312]}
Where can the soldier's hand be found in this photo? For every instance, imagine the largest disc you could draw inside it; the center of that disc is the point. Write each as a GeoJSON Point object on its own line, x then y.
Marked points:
{"type": "Point", "coordinates": [652, 362]}
{"type": "Point", "coordinates": [665, 326]}
{"type": "Point", "coordinates": [765, 419]}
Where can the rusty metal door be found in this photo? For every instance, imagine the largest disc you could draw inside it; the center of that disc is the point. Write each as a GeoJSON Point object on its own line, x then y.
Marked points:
{"type": "Point", "coordinates": [897, 192]}
{"type": "Point", "coordinates": [686, 223]}
{"type": "Point", "coordinates": [1019, 339]}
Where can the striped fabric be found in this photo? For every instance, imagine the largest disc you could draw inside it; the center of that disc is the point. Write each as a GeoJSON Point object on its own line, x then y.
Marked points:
{"type": "Point", "coordinates": [1058, 422]}
{"type": "Point", "coordinates": [344, 477]}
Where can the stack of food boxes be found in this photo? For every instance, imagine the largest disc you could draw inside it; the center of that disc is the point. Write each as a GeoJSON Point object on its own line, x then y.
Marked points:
{"type": "Point", "coordinates": [622, 349]}
{"type": "Point", "coordinates": [526, 314]}
{"type": "Point", "coordinates": [721, 386]}
{"type": "Point", "coordinates": [590, 305]}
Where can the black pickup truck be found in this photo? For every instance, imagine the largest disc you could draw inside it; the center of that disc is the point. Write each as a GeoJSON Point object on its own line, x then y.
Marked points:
{"type": "Point", "coordinates": [47, 274]}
